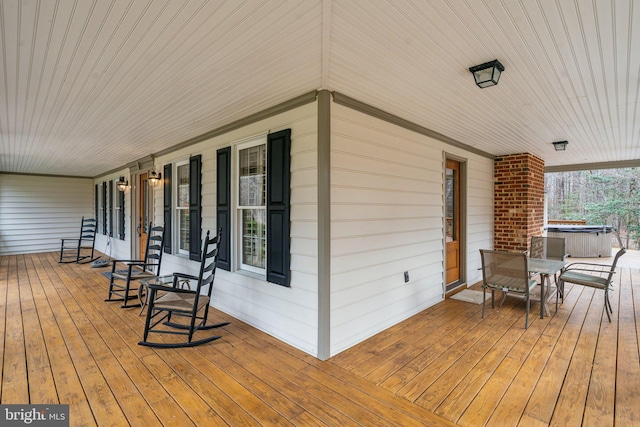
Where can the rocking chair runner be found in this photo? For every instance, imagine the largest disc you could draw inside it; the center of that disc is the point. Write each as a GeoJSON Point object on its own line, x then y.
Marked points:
{"type": "Point", "coordinates": [187, 303]}
{"type": "Point", "coordinates": [136, 269]}
{"type": "Point", "coordinates": [80, 250]}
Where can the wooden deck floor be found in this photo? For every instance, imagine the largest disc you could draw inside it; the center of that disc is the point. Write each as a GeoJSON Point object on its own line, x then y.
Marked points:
{"type": "Point", "coordinates": [61, 343]}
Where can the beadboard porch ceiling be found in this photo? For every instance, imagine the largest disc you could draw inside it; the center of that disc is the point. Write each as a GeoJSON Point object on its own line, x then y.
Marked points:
{"type": "Point", "coordinates": [89, 86]}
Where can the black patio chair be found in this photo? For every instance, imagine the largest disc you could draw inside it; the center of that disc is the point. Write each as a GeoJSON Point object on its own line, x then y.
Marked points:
{"type": "Point", "coordinates": [81, 249]}
{"type": "Point", "coordinates": [192, 305]}
{"type": "Point", "coordinates": [121, 287]}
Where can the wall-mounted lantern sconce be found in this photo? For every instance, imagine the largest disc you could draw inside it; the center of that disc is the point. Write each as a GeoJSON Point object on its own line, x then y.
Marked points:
{"type": "Point", "coordinates": [122, 184]}
{"type": "Point", "coordinates": [487, 74]}
{"type": "Point", "coordinates": [154, 176]}
{"type": "Point", "coordinates": [560, 145]}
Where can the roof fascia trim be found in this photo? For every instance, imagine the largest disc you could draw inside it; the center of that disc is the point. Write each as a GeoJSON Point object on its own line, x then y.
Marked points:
{"type": "Point", "coordinates": [591, 166]}
{"type": "Point", "coordinates": [354, 104]}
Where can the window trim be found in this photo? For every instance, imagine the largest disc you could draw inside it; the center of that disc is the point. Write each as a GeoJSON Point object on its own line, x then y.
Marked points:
{"type": "Point", "coordinates": [260, 140]}
{"type": "Point", "coordinates": [278, 263]}
{"type": "Point", "coordinates": [103, 207]}
{"type": "Point", "coordinates": [110, 208]}
{"type": "Point", "coordinates": [176, 209]}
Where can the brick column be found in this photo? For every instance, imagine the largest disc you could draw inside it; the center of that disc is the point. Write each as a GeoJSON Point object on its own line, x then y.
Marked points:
{"type": "Point", "coordinates": [518, 201]}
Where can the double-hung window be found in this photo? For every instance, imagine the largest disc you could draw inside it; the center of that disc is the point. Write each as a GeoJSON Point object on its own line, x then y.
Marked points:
{"type": "Point", "coordinates": [182, 207]}
{"type": "Point", "coordinates": [252, 205]}
{"type": "Point", "coordinates": [259, 209]}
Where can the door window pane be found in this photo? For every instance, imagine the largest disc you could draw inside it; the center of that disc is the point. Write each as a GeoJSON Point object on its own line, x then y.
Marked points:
{"type": "Point", "coordinates": [450, 204]}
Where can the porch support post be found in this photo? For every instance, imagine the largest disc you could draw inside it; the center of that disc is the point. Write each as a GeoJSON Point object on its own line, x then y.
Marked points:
{"type": "Point", "coordinates": [324, 225]}
{"type": "Point", "coordinates": [518, 201]}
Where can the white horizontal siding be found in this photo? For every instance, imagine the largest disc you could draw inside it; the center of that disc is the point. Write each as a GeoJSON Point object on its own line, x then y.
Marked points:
{"type": "Point", "coordinates": [290, 314]}
{"type": "Point", "coordinates": [37, 211]}
{"type": "Point", "coordinates": [479, 214]}
{"type": "Point", "coordinates": [387, 218]}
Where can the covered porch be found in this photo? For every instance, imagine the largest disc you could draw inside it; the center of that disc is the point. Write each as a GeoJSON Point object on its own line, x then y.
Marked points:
{"type": "Point", "coordinates": [445, 366]}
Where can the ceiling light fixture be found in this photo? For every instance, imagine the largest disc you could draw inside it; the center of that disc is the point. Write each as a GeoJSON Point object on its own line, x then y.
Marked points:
{"type": "Point", "coordinates": [487, 74]}
{"type": "Point", "coordinates": [560, 145]}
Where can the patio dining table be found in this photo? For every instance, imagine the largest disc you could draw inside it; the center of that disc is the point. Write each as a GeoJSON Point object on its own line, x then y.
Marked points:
{"type": "Point", "coordinates": [546, 268]}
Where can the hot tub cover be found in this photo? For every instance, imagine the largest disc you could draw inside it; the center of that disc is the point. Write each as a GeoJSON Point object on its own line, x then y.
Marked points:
{"type": "Point", "coordinates": [580, 228]}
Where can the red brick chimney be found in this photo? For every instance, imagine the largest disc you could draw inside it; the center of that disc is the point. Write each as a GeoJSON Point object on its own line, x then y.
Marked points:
{"type": "Point", "coordinates": [518, 201]}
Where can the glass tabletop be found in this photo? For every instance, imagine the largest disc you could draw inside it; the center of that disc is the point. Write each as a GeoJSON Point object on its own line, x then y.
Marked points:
{"type": "Point", "coordinates": [545, 266]}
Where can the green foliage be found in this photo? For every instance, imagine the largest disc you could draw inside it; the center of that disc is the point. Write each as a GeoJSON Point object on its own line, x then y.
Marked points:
{"type": "Point", "coordinates": [603, 197]}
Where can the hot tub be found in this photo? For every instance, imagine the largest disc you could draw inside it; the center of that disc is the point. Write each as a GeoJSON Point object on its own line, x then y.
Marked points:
{"type": "Point", "coordinates": [584, 241]}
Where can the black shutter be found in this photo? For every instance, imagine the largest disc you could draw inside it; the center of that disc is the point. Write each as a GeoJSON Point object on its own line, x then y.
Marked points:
{"type": "Point", "coordinates": [121, 214]}
{"type": "Point", "coordinates": [111, 208]}
{"type": "Point", "coordinates": [195, 207]}
{"type": "Point", "coordinates": [223, 209]}
{"type": "Point", "coordinates": [104, 208]}
{"type": "Point", "coordinates": [167, 208]}
{"type": "Point", "coordinates": [278, 207]}
{"type": "Point", "coordinates": [95, 202]}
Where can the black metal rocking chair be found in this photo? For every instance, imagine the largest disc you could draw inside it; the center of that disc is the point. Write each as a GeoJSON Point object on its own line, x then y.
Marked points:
{"type": "Point", "coordinates": [80, 250]}
{"type": "Point", "coordinates": [187, 303]}
{"type": "Point", "coordinates": [136, 269]}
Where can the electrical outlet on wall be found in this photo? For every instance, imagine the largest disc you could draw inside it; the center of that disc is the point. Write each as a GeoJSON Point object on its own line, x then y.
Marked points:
{"type": "Point", "coordinates": [406, 276]}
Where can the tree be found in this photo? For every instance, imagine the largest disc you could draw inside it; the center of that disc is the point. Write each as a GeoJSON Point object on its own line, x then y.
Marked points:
{"type": "Point", "coordinates": [601, 197]}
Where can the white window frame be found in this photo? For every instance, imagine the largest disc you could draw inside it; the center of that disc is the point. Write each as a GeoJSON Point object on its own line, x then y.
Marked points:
{"type": "Point", "coordinates": [238, 209]}
{"type": "Point", "coordinates": [177, 208]}
{"type": "Point", "coordinates": [101, 209]}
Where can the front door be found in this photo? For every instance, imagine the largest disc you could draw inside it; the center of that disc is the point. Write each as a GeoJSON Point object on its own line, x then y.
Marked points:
{"type": "Point", "coordinates": [145, 214]}
{"type": "Point", "coordinates": [452, 218]}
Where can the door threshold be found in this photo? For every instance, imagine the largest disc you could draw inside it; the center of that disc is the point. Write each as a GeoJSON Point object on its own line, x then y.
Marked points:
{"type": "Point", "coordinates": [455, 287]}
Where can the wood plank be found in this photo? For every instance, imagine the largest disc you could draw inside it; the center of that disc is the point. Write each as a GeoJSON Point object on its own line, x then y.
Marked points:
{"type": "Point", "coordinates": [435, 394]}
{"type": "Point", "coordinates": [65, 375]}
{"type": "Point", "coordinates": [627, 409]}
{"type": "Point", "coordinates": [15, 388]}
{"type": "Point", "coordinates": [158, 399]}
{"type": "Point", "coordinates": [94, 389]}
{"type": "Point", "coordinates": [84, 352]}
{"type": "Point", "coordinates": [385, 363]}
{"type": "Point", "coordinates": [393, 407]}
{"type": "Point", "coordinates": [441, 339]}
{"type": "Point", "coordinates": [195, 374]}
{"type": "Point", "coordinates": [517, 394]}
{"type": "Point", "coordinates": [468, 338]}
{"type": "Point", "coordinates": [42, 388]}
{"type": "Point", "coordinates": [543, 400]}
{"type": "Point", "coordinates": [485, 402]}
{"type": "Point", "coordinates": [245, 353]}
{"type": "Point", "coordinates": [359, 354]}
{"type": "Point", "coordinates": [4, 286]}
{"type": "Point", "coordinates": [571, 401]}
{"type": "Point", "coordinates": [601, 395]}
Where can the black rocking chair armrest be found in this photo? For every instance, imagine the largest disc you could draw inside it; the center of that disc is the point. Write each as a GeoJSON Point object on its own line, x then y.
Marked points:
{"type": "Point", "coordinates": [129, 262]}
{"type": "Point", "coordinates": [166, 288]}
{"type": "Point", "coordinates": [184, 276]}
